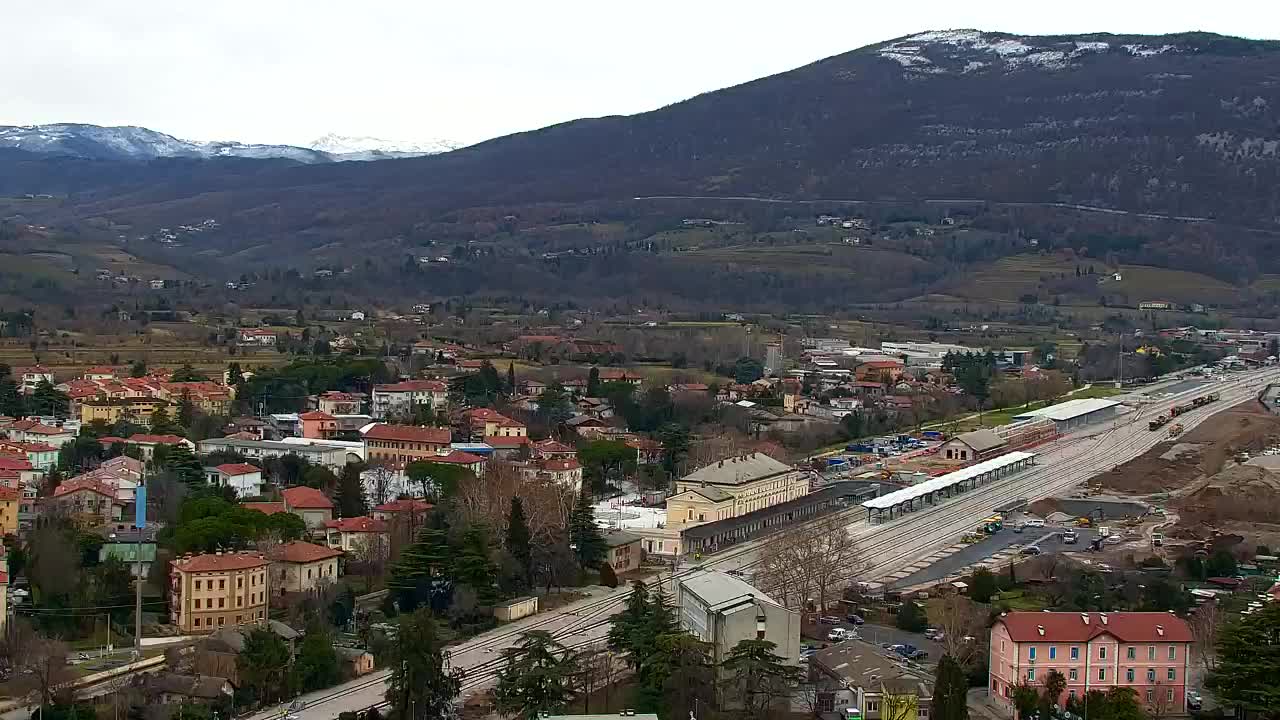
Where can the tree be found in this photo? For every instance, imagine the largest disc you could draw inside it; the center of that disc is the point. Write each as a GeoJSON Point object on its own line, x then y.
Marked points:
{"type": "Point", "coordinates": [747, 370]}
{"type": "Point", "coordinates": [138, 369]}
{"type": "Point", "coordinates": [1026, 701]}
{"type": "Point", "coordinates": [317, 664]}
{"type": "Point", "coordinates": [911, 617]}
{"type": "Point", "coordinates": [186, 373]}
{"type": "Point", "coordinates": [605, 460]}
{"type": "Point", "coordinates": [1055, 683]}
{"type": "Point", "coordinates": [680, 675]}
{"type": "Point", "coordinates": [584, 534]}
{"type": "Point", "coordinates": [518, 538]}
{"type": "Point", "coordinates": [511, 378]}
{"type": "Point", "coordinates": [421, 574]}
{"type": "Point", "coordinates": [186, 466]}
{"type": "Point", "coordinates": [608, 577]}
{"type": "Point", "coordinates": [757, 676]}
{"type": "Point", "coordinates": [982, 585]}
{"type": "Point", "coordinates": [421, 685]}
{"type": "Point", "coordinates": [349, 497]}
{"type": "Point", "coordinates": [950, 692]}
{"type": "Point", "coordinates": [263, 667]}
{"type": "Point", "coordinates": [381, 478]}
{"type": "Point", "coordinates": [161, 423]}
{"type": "Point", "coordinates": [438, 480]}
{"type": "Point", "coordinates": [1247, 674]}
{"type": "Point", "coordinates": [11, 401]}
{"type": "Point", "coordinates": [474, 566]}
{"type": "Point", "coordinates": [46, 400]}
{"type": "Point", "coordinates": [625, 632]}
{"type": "Point", "coordinates": [554, 405]}
{"type": "Point", "coordinates": [1205, 623]}
{"type": "Point", "coordinates": [962, 623]}
{"type": "Point", "coordinates": [593, 383]}
{"type": "Point", "coordinates": [675, 441]}
{"type": "Point", "coordinates": [186, 411]}
{"type": "Point", "coordinates": [536, 677]}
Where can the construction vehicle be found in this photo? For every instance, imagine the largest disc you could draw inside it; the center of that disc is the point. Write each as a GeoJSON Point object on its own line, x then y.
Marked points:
{"type": "Point", "coordinates": [1175, 430]}
{"type": "Point", "coordinates": [1084, 522]}
{"type": "Point", "coordinates": [1158, 422]}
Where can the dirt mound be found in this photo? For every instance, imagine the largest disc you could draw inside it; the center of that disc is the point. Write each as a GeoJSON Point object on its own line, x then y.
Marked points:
{"type": "Point", "coordinates": [1201, 452]}
{"type": "Point", "coordinates": [1241, 493]}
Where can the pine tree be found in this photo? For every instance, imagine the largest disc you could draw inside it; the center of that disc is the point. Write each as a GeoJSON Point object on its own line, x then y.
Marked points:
{"type": "Point", "coordinates": [593, 383]}
{"type": "Point", "coordinates": [950, 701]}
{"type": "Point", "coordinates": [757, 676]}
{"type": "Point", "coordinates": [421, 685]}
{"type": "Point", "coordinates": [624, 634]}
{"type": "Point", "coordinates": [680, 677]}
{"type": "Point", "coordinates": [518, 540]}
{"type": "Point", "coordinates": [537, 677]}
{"type": "Point", "coordinates": [511, 378]}
{"type": "Point", "coordinates": [416, 577]}
{"type": "Point", "coordinates": [181, 462]}
{"type": "Point", "coordinates": [349, 495]}
{"type": "Point", "coordinates": [161, 424]}
{"type": "Point", "coordinates": [474, 566]}
{"type": "Point", "coordinates": [138, 369]}
{"type": "Point", "coordinates": [585, 535]}
{"type": "Point", "coordinates": [1246, 676]}
{"type": "Point", "coordinates": [10, 398]}
{"type": "Point", "coordinates": [186, 411]}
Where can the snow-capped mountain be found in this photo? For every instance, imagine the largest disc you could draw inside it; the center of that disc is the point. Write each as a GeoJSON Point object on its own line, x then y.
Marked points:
{"type": "Point", "coordinates": [939, 52]}
{"type": "Point", "coordinates": [137, 143]}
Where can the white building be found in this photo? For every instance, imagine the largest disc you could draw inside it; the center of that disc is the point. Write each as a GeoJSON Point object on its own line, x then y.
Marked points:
{"type": "Point", "coordinates": [722, 610]}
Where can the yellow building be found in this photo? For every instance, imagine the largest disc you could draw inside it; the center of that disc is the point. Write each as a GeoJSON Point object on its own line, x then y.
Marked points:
{"type": "Point", "coordinates": [214, 590]}
{"type": "Point", "coordinates": [10, 497]}
{"type": "Point", "coordinates": [136, 410]}
{"type": "Point", "coordinates": [733, 487]}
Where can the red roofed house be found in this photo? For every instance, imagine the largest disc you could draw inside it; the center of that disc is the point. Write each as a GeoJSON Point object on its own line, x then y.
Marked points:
{"type": "Point", "coordinates": [244, 478]}
{"type": "Point", "coordinates": [29, 378]}
{"type": "Point", "coordinates": [147, 443]}
{"type": "Point", "coordinates": [10, 497]}
{"type": "Point", "coordinates": [90, 500]}
{"type": "Point", "coordinates": [1149, 652]}
{"type": "Point", "coordinates": [318, 425]}
{"type": "Point", "coordinates": [566, 472]}
{"type": "Point", "coordinates": [360, 535]}
{"type": "Point", "coordinates": [506, 447]}
{"type": "Point", "coordinates": [266, 508]}
{"type": "Point", "coordinates": [402, 397]}
{"type": "Point", "coordinates": [99, 373]}
{"type": "Point", "coordinates": [339, 403]}
{"type": "Point", "coordinates": [216, 590]}
{"type": "Point", "coordinates": [485, 423]}
{"type": "Point", "coordinates": [300, 566]}
{"type": "Point", "coordinates": [552, 449]}
{"type": "Point", "coordinates": [884, 371]}
{"type": "Point", "coordinates": [648, 452]}
{"type": "Point", "coordinates": [32, 431]}
{"type": "Point", "coordinates": [308, 503]}
{"type": "Point", "coordinates": [609, 375]}
{"type": "Point", "coordinates": [401, 507]}
{"type": "Point", "coordinates": [402, 444]}
{"type": "Point", "coordinates": [474, 463]}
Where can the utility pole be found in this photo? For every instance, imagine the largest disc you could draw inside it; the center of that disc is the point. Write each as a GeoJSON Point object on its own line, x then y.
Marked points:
{"type": "Point", "coordinates": [1120, 362]}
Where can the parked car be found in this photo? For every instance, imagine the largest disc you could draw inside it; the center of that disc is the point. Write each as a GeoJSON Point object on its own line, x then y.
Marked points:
{"type": "Point", "coordinates": [854, 618]}
{"type": "Point", "coordinates": [934, 634]}
{"type": "Point", "coordinates": [1019, 528]}
{"type": "Point", "coordinates": [840, 635]}
{"type": "Point", "coordinates": [1031, 550]}
{"type": "Point", "coordinates": [1070, 537]}
{"type": "Point", "coordinates": [1194, 701]}
{"type": "Point", "coordinates": [911, 652]}
{"type": "Point", "coordinates": [829, 620]}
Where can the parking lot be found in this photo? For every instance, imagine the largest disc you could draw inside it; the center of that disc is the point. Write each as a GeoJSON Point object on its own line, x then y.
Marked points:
{"type": "Point", "coordinates": [995, 549]}
{"type": "Point", "coordinates": [882, 635]}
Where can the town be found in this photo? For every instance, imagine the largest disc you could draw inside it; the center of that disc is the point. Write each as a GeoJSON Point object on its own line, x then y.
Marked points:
{"type": "Point", "coordinates": [816, 528]}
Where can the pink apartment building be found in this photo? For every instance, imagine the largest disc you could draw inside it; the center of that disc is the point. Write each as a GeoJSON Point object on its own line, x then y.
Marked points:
{"type": "Point", "coordinates": [1147, 651]}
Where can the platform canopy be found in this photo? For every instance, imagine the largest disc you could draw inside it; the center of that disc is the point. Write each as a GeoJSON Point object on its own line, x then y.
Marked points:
{"type": "Point", "coordinates": [943, 482]}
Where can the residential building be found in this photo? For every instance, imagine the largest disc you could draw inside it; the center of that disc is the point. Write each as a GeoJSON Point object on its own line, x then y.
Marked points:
{"type": "Point", "coordinates": [137, 556]}
{"type": "Point", "coordinates": [972, 446]}
{"type": "Point", "coordinates": [89, 501]}
{"type": "Point", "coordinates": [33, 431]}
{"type": "Point", "coordinates": [734, 487]}
{"type": "Point", "coordinates": [619, 375]}
{"type": "Point", "coordinates": [42, 456]}
{"type": "Point", "coordinates": [147, 444]}
{"type": "Point", "coordinates": [566, 472]}
{"type": "Point", "coordinates": [624, 553]}
{"type": "Point", "coordinates": [136, 410]}
{"type": "Point", "coordinates": [308, 503]}
{"type": "Point", "coordinates": [402, 444]}
{"type": "Point", "coordinates": [507, 447]}
{"type": "Point", "coordinates": [648, 452]}
{"type": "Point", "coordinates": [333, 456]}
{"type": "Point", "coordinates": [339, 403]}
{"type": "Point", "coordinates": [858, 679]}
{"type": "Point", "coordinates": [474, 463]}
{"type": "Point", "coordinates": [881, 371]}
{"type": "Point", "coordinates": [485, 423]}
{"type": "Point", "coordinates": [300, 566]}
{"type": "Point", "coordinates": [318, 425]}
{"type": "Point", "coordinates": [244, 478]}
{"type": "Point", "coordinates": [402, 507]}
{"type": "Point", "coordinates": [722, 610]}
{"type": "Point", "coordinates": [256, 337]}
{"type": "Point", "coordinates": [29, 378]}
{"type": "Point", "coordinates": [214, 590]}
{"type": "Point", "coordinates": [357, 534]}
{"type": "Point", "coordinates": [248, 425]}
{"type": "Point", "coordinates": [167, 688]}
{"type": "Point", "coordinates": [551, 449]}
{"type": "Point", "coordinates": [99, 372]}
{"type": "Point", "coordinates": [403, 397]}
{"type": "Point", "coordinates": [4, 590]}
{"type": "Point", "coordinates": [10, 499]}
{"type": "Point", "coordinates": [1149, 652]}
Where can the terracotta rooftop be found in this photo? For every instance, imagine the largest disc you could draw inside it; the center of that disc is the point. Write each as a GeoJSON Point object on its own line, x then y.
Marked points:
{"type": "Point", "coordinates": [404, 505]}
{"type": "Point", "coordinates": [84, 483]}
{"type": "Point", "coordinates": [237, 468]}
{"type": "Point", "coordinates": [560, 464]}
{"type": "Point", "coordinates": [8, 494]}
{"type": "Point", "coordinates": [414, 386]}
{"type": "Point", "coordinates": [409, 433]}
{"type": "Point", "coordinates": [306, 498]}
{"type": "Point", "coordinates": [498, 441]}
{"type": "Point", "coordinates": [267, 508]}
{"type": "Point", "coordinates": [357, 525]}
{"type": "Point", "coordinates": [219, 562]}
{"type": "Point", "coordinates": [300, 551]}
{"type": "Point", "coordinates": [455, 457]}
{"type": "Point", "coordinates": [1131, 627]}
{"type": "Point", "coordinates": [156, 439]}
{"type": "Point", "coordinates": [10, 462]}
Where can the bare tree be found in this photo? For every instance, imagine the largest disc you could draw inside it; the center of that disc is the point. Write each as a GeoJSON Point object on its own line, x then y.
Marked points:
{"type": "Point", "coordinates": [380, 481]}
{"type": "Point", "coordinates": [811, 562]}
{"type": "Point", "coordinates": [962, 623]}
{"type": "Point", "coordinates": [45, 662]}
{"type": "Point", "coordinates": [369, 556]}
{"type": "Point", "coordinates": [1205, 622]}
{"type": "Point", "coordinates": [591, 675]}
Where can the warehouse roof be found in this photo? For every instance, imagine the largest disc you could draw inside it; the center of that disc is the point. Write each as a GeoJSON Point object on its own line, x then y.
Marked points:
{"type": "Point", "coordinates": [981, 440]}
{"type": "Point", "coordinates": [738, 470]}
{"type": "Point", "coordinates": [1068, 410]}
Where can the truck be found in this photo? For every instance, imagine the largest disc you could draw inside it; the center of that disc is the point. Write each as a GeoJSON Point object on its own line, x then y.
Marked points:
{"type": "Point", "coordinates": [1158, 422]}
{"type": "Point", "coordinates": [1175, 430]}
{"type": "Point", "coordinates": [933, 435]}
{"type": "Point", "coordinates": [859, 448]}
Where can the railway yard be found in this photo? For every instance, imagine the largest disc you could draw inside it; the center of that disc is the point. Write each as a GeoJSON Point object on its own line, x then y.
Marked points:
{"type": "Point", "coordinates": [902, 547]}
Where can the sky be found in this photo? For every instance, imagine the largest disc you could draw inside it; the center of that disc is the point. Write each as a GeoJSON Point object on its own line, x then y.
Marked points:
{"type": "Point", "coordinates": [278, 71]}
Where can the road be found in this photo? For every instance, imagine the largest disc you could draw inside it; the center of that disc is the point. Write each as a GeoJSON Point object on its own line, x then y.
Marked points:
{"type": "Point", "coordinates": [889, 547]}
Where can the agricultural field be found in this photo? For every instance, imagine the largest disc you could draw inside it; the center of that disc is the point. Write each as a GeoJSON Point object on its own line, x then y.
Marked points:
{"type": "Point", "coordinates": [1009, 279]}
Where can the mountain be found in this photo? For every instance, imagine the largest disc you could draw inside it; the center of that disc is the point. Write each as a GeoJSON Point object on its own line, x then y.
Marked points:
{"type": "Point", "coordinates": [1175, 126]}
{"type": "Point", "coordinates": [136, 143]}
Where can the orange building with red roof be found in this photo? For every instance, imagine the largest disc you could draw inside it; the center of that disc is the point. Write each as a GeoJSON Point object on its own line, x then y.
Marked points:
{"type": "Point", "coordinates": [301, 566]}
{"type": "Point", "coordinates": [215, 590]}
{"type": "Point", "coordinates": [402, 444]}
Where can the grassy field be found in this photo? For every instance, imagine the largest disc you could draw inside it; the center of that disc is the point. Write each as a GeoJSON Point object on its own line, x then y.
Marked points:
{"type": "Point", "coordinates": [1010, 278]}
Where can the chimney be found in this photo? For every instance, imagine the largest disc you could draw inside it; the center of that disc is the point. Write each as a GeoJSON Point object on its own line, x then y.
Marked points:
{"type": "Point", "coordinates": [1160, 630]}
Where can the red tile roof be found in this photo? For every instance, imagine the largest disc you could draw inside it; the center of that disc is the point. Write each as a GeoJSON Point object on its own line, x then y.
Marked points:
{"type": "Point", "coordinates": [404, 505]}
{"type": "Point", "coordinates": [91, 484]}
{"type": "Point", "coordinates": [10, 462]}
{"type": "Point", "coordinates": [881, 364]}
{"type": "Point", "coordinates": [1131, 627]}
{"type": "Point", "coordinates": [267, 508]}
{"type": "Point", "coordinates": [110, 439]}
{"type": "Point", "coordinates": [552, 446]}
{"type": "Point", "coordinates": [498, 441]}
{"type": "Point", "coordinates": [409, 433]}
{"type": "Point", "coordinates": [39, 429]}
{"type": "Point", "coordinates": [306, 498]}
{"type": "Point", "coordinates": [560, 464]}
{"type": "Point", "coordinates": [360, 524]}
{"type": "Point", "coordinates": [300, 551]}
{"type": "Point", "coordinates": [156, 439]}
{"type": "Point", "coordinates": [414, 386]}
{"type": "Point", "coordinates": [8, 494]}
{"type": "Point", "coordinates": [316, 415]}
{"type": "Point", "coordinates": [214, 562]}
{"type": "Point", "coordinates": [237, 468]}
{"type": "Point", "coordinates": [455, 457]}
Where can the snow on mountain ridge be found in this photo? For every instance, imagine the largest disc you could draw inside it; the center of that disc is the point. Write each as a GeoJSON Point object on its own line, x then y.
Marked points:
{"type": "Point", "coordinates": [913, 52]}
{"type": "Point", "coordinates": [344, 144]}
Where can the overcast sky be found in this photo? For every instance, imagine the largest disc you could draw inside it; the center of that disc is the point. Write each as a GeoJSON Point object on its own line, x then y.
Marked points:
{"type": "Point", "coordinates": [288, 72]}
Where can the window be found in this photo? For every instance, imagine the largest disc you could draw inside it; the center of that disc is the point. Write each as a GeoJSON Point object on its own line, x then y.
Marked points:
{"type": "Point", "coordinates": [1150, 696]}
{"type": "Point", "coordinates": [1151, 652]}
{"type": "Point", "coordinates": [1172, 674]}
{"type": "Point", "coordinates": [197, 603]}
{"type": "Point", "coordinates": [1075, 653]}
{"type": "Point", "coordinates": [1151, 675]}
{"type": "Point", "coordinates": [222, 602]}
{"type": "Point", "coordinates": [1031, 653]}
{"type": "Point", "coordinates": [1128, 675]}
{"type": "Point", "coordinates": [1071, 693]}
{"type": "Point", "coordinates": [239, 582]}
{"type": "Point", "coordinates": [1031, 675]}
{"type": "Point", "coordinates": [1001, 645]}
{"type": "Point", "coordinates": [1073, 675]}
{"type": "Point", "coordinates": [196, 622]}
{"type": "Point", "coordinates": [221, 621]}
{"type": "Point", "coordinates": [1053, 652]}
{"type": "Point", "coordinates": [1102, 673]}
{"type": "Point", "coordinates": [995, 686]}
{"type": "Point", "coordinates": [222, 584]}
{"type": "Point", "coordinates": [1102, 652]}
{"type": "Point", "coordinates": [197, 584]}
{"type": "Point", "coordinates": [1169, 694]}
{"type": "Point", "coordinates": [1173, 652]}
{"type": "Point", "coordinates": [1131, 652]}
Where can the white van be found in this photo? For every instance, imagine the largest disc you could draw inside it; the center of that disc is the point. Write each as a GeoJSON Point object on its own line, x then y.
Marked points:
{"type": "Point", "coordinates": [1033, 523]}
{"type": "Point", "coordinates": [841, 634]}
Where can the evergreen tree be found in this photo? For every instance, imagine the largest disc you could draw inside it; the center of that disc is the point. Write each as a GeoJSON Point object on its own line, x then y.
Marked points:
{"type": "Point", "coordinates": [422, 573]}
{"type": "Point", "coordinates": [161, 423]}
{"type": "Point", "coordinates": [138, 369]}
{"type": "Point", "coordinates": [608, 577]}
{"type": "Point", "coordinates": [585, 535]}
{"type": "Point", "coordinates": [757, 676]}
{"type": "Point", "coordinates": [518, 540]}
{"type": "Point", "coordinates": [593, 382]}
{"type": "Point", "coordinates": [1247, 675]}
{"type": "Point", "coordinates": [46, 400]}
{"type": "Point", "coordinates": [263, 667]}
{"type": "Point", "coordinates": [186, 373]}
{"type": "Point", "coordinates": [537, 677]}
{"type": "Point", "coordinates": [554, 406]}
{"type": "Point", "coordinates": [911, 617]}
{"type": "Point", "coordinates": [186, 466]}
{"type": "Point", "coordinates": [511, 378]}
{"type": "Point", "coordinates": [235, 376]}
{"type": "Point", "coordinates": [679, 677]}
{"type": "Point", "coordinates": [186, 411]}
{"type": "Point", "coordinates": [625, 633]}
{"type": "Point", "coordinates": [349, 495]}
{"type": "Point", "coordinates": [950, 692]}
{"type": "Point", "coordinates": [317, 664]}
{"type": "Point", "coordinates": [475, 568]}
{"type": "Point", "coordinates": [11, 401]}
{"type": "Point", "coordinates": [421, 685]}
